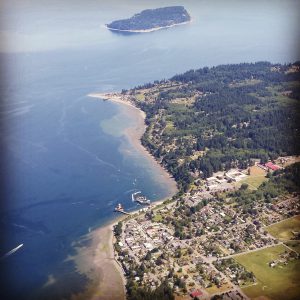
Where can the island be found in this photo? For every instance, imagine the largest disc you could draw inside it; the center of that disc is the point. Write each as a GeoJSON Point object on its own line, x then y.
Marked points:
{"type": "Point", "coordinates": [152, 19]}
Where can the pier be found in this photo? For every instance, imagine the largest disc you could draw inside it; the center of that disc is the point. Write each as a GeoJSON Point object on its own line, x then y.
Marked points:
{"type": "Point", "coordinates": [119, 208]}
{"type": "Point", "coordinates": [122, 212]}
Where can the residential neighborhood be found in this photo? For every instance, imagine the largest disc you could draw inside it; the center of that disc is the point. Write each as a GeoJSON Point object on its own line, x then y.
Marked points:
{"type": "Point", "coordinates": [193, 241]}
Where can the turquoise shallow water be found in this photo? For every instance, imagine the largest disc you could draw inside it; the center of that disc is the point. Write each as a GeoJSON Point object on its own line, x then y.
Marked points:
{"type": "Point", "coordinates": [67, 162]}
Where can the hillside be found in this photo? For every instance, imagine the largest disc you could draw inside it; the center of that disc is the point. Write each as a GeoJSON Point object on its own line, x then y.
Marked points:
{"type": "Point", "coordinates": [218, 118]}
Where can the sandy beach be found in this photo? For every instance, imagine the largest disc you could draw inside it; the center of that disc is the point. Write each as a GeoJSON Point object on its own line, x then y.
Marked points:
{"type": "Point", "coordinates": [147, 30]}
{"type": "Point", "coordinates": [97, 260]}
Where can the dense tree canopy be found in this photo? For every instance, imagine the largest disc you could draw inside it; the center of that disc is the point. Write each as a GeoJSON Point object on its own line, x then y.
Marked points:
{"type": "Point", "coordinates": [217, 118]}
{"type": "Point", "coordinates": [152, 18]}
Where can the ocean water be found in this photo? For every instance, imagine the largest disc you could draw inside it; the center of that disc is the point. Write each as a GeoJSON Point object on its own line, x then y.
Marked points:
{"type": "Point", "coordinates": [65, 168]}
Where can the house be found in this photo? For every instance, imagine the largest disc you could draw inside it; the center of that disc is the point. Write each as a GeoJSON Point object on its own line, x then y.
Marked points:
{"type": "Point", "coordinates": [196, 293]}
{"type": "Point", "coordinates": [235, 175]}
{"type": "Point", "coordinates": [148, 246]}
{"type": "Point", "coordinates": [271, 166]}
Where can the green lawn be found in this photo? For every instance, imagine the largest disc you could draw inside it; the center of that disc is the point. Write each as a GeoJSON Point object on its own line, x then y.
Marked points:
{"type": "Point", "coordinates": [275, 90]}
{"type": "Point", "coordinates": [214, 289]}
{"type": "Point", "coordinates": [140, 97]}
{"type": "Point", "coordinates": [283, 230]}
{"type": "Point", "coordinates": [157, 218]}
{"type": "Point", "coordinates": [254, 181]}
{"type": "Point", "coordinates": [276, 283]}
{"type": "Point", "coordinates": [169, 127]}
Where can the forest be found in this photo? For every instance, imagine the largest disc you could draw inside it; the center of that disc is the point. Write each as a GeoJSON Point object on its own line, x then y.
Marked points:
{"type": "Point", "coordinates": [213, 119]}
{"type": "Point", "coordinates": [152, 18]}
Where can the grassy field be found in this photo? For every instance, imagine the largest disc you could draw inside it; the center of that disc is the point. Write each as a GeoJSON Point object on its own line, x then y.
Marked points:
{"type": "Point", "coordinates": [157, 218]}
{"type": "Point", "coordinates": [283, 99]}
{"type": "Point", "coordinates": [283, 230]}
{"type": "Point", "coordinates": [214, 289]}
{"type": "Point", "coordinates": [276, 283]}
{"type": "Point", "coordinates": [140, 97]}
{"type": "Point", "coordinates": [169, 126]}
{"type": "Point", "coordinates": [255, 179]}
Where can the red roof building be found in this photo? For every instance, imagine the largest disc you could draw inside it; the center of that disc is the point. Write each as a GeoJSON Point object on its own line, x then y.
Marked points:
{"type": "Point", "coordinates": [271, 166]}
{"type": "Point", "coordinates": [196, 293]}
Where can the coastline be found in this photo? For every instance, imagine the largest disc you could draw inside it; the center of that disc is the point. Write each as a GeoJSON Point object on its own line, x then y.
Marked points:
{"type": "Point", "coordinates": [147, 30]}
{"type": "Point", "coordinates": [97, 260]}
{"type": "Point", "coordinates": [134, 134]}
{"type": "Point", "coordinates": [117, 98]}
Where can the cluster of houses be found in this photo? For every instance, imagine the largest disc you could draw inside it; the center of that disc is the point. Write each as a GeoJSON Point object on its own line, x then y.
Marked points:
{"type": "Point", "coordinates": [222, 181]}
{"type": "Point", "coordinates": [236, 272]}
{"type": "Point", "coordinates": [288, 207]}
{"type": "Point", "coordinates": [141, 237]}
{"type": "Point", "coordinates": [216, 230]}
{"type": "Point", "coordinates": [209, 276]}
{"type": "Point", "coordinates": [232, 295]}
{"type": "Point", "coordinates": [284, 258]}
{"type": "Point", "coordinates": [227, 230]}
{"type": "Point", "coordinates": [273, 213]}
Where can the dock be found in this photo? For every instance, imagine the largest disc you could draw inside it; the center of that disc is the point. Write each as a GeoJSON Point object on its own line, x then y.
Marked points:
{"type": "Point", "coordinates": [122, 212]}
{"type": "Point", "coordinates": [119, 208]}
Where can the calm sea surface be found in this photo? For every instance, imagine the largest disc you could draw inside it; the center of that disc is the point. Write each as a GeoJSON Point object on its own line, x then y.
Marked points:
{"type": "Point", "coordinates": [65, 172]}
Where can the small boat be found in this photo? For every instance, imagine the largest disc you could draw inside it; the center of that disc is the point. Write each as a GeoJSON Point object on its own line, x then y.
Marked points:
{"type": "Point", "coordinates": [119, 208]}
{"type": "Point", "coordinates": [140, 198]}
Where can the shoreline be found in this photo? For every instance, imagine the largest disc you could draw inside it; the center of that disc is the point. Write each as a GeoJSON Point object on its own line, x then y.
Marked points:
{"type": "Point", "coordinates": [97, 260]}
{"type": "Point", "coordinates": [147, 30]}
{"type": "Point", "coordinates": [134, 134]}
{"type": "Point", "coordinates": [117, 98]}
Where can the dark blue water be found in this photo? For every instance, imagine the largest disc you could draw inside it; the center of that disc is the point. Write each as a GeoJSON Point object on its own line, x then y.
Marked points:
{"type": "Point", "coordinates": [64, 172]}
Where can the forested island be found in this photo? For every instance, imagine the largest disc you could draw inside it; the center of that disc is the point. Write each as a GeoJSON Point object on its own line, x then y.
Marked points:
{"type": "Point", "coordinates": [152, 19]}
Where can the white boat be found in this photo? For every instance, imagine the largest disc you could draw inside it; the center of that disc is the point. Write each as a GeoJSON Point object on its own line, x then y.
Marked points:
{"type": "Point", "coordinates": [119, 207]}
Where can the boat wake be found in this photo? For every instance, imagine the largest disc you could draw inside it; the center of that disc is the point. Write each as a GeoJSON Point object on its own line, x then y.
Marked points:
{"type": "Point", "coordinates": [12, 251]}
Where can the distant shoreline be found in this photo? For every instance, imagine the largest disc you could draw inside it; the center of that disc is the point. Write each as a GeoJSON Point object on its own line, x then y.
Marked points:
{"type": "Point", "coordinates": [147, 30]}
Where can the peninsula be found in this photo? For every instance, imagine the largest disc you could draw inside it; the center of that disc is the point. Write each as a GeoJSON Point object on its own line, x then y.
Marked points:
{"type": "Point", "coordinates": [152, 19]}
{"type": "Point", "coordinates": [230, 138]}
